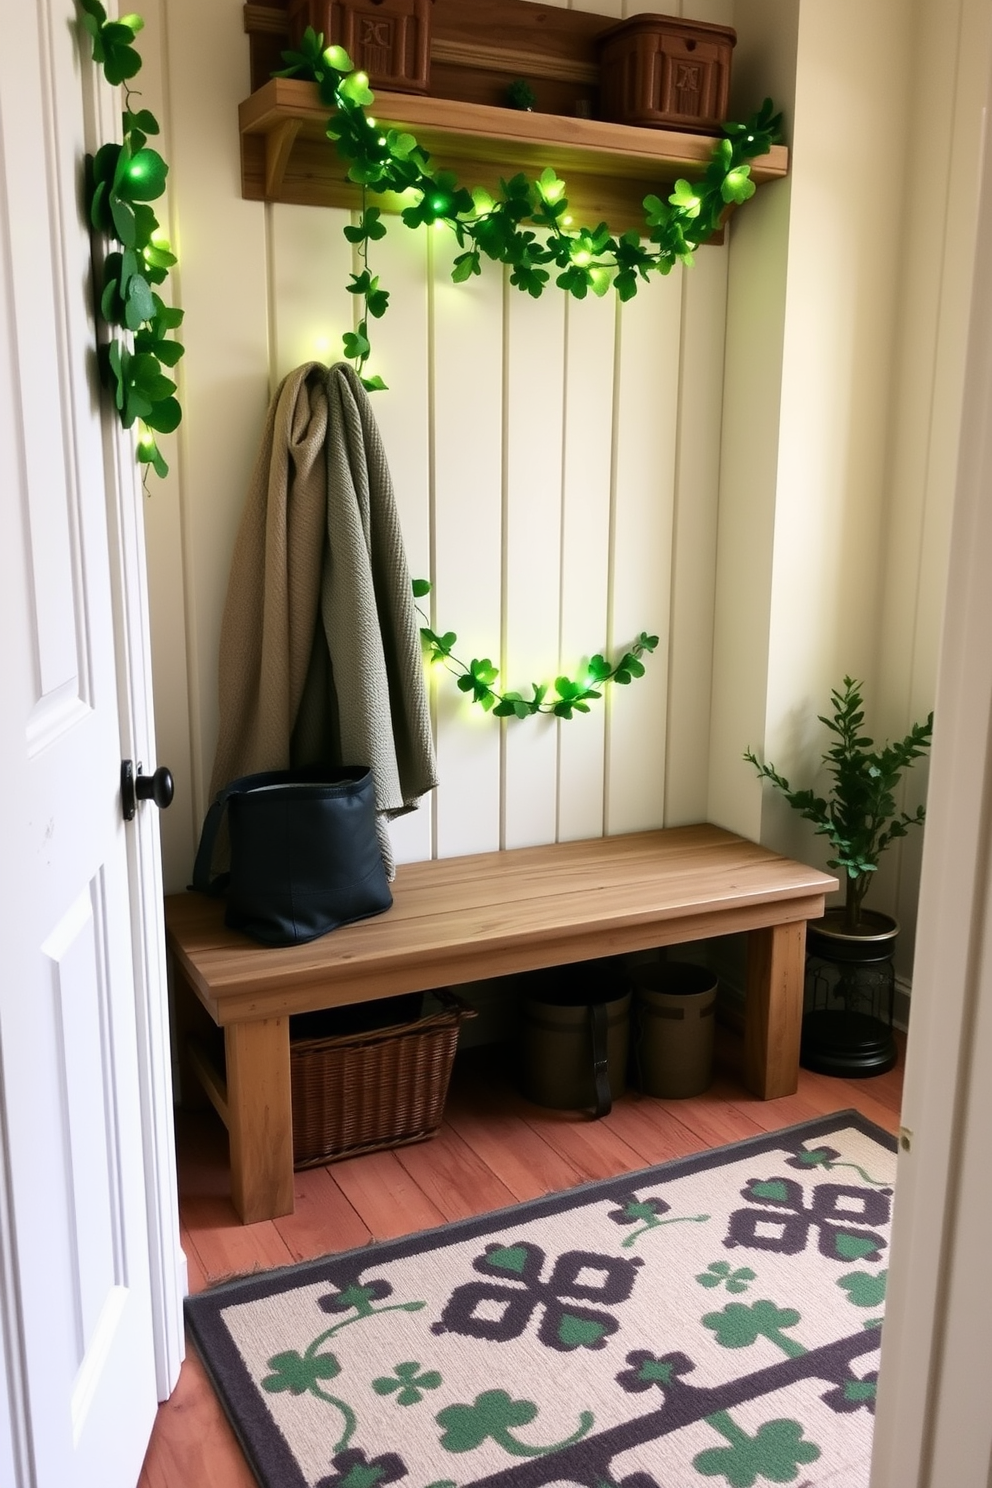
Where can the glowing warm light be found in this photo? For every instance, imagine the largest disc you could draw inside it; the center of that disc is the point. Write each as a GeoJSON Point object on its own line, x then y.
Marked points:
{"type": "Point", "coordinates": [322, 344]}
{"type": "Point", "coordinates": [146, 442]}
{"type": "Point", "coordinates": [382, 139]}
{"type": "Point", "coordinates": [159, 240]}
{"type": "Point", "coordinates": [582, 257]}
{"type": "Point", "coordinates": [439, 203]}
{"type": "Point", "coordinates": [362, 78]}
{"type": "Point", "coordinates": [567, 221]}
{"type": "Point", "coordinates": [552, 191]}
{"type": "Point", "coordinates": [371, 122]}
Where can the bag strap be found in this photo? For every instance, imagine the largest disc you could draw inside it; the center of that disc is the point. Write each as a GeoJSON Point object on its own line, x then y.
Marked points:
{"type": "Point", "coordinates": [202, 881]}
{"type": "Point", "coordinates": [599, 1025]}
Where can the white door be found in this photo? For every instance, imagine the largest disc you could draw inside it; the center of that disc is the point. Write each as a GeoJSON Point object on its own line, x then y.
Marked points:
{"type": "Point", "coordinates": [82, 1335]}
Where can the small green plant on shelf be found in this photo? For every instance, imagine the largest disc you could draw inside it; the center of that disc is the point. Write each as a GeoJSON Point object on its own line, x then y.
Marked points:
{"type": "Point", "coordinates": [860, 816]}
{"type": "Point", "coordinates": [121, 180]}
{"type": "Point", "coordinates": [563, 699]}
{"type": "Point", "coordinates": [504, 227]}
{"type": "Point", "coordinates": [520, 95]}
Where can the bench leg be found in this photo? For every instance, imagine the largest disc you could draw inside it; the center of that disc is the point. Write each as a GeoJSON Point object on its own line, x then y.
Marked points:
{"type": "Point", "coordinates": [260, 1118]}
{"type": "Point", "coordinates": [773, 1009]}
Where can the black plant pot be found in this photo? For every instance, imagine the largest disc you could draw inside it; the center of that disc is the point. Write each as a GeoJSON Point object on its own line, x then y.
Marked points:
{"type": "Point", "coordinates": [849, 996]}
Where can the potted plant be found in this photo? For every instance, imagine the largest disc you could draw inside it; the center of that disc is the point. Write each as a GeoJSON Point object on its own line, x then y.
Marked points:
{"type": "Point", "coordinates": [861, 819]}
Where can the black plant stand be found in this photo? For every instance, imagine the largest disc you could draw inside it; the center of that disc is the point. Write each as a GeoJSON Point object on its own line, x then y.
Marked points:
{"type": "Point", "coordinates": [849, 997]}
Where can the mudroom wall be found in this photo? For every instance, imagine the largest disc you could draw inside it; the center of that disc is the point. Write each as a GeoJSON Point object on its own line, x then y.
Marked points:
{"type": "Point", "coordinates": [694, 464]}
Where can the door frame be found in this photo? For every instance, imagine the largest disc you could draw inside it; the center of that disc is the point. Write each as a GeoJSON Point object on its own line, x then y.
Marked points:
{"type": "Point", "coordinates": [933, 1425]}
{"type": "Point", "coordinates": [129, 584]}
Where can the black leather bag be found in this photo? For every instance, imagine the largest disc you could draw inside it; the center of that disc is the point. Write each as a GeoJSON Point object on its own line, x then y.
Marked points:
{"type": "Point", "coordinates": [305, 857]}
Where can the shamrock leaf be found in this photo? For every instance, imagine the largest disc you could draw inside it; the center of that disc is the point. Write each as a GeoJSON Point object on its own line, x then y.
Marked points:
{"type": "Point", "coordinates": [737, 185]}
{"type": "Point", "coordinates": [140, 177]}
{"type": "Point", "coordinates": [354, 90]}
{"type": "Point", "coordinates": [299, 1373]}
{"type": "Point", "coordinates": [356, 345]}
{"type": "Point", "coordinates": [336, 57]}
{"type": "Point", "coordinates": [685, 199]}
{"type": "Point", "coordinates": [863, 1289]}
{"type": "Point", "coordinates": [775, 1451]}
{"type": "Point", "coordinates": [354, 1469]}
{"type": "Point", "coordinates": [408, 1382]}
{"type": "Point", "coordinates": [740, 1325]}
{"type": "Point", "coordinates": [494, 1414]}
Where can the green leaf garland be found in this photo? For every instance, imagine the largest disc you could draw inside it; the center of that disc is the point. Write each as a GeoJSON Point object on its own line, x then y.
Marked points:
{"type": "Point", "coordinates": [505, 229]}
{"type": "Point", "coordinates": [566, 698]}
{"type": "Point", "coordinates": [121, 180]}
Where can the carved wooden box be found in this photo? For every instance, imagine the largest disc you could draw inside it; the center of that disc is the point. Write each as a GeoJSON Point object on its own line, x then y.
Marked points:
{"type": "Point", "coordinates": [388, 39]}
{"type": "Point", "coordinates": [667, 73]}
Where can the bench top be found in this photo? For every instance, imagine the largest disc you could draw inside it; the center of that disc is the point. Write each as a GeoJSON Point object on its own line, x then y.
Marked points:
{"type": "Point", "coordinates": [463, 919]}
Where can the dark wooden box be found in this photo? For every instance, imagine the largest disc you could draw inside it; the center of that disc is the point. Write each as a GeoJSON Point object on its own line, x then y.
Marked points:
{"type": "Point", "coordinates": [388, 39]}
{"type": "Point", "coordinates": [663, 72]}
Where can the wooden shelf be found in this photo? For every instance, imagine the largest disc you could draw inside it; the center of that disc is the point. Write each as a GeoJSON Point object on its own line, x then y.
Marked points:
{"type": "Point", "coordinates": [608, 168]}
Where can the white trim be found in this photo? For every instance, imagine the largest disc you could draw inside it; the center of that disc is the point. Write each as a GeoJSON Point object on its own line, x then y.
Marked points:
{"type": "Point", "coordinates": [125, 510]}
{"type": "Point", "coordinates": [934, 1424]}
{"type": "Point", "coordinates": [166, 1259]}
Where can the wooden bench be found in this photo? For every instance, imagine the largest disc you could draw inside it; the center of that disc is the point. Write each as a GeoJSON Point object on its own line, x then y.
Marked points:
{"type": "Point", "coordinates": [461, 919]}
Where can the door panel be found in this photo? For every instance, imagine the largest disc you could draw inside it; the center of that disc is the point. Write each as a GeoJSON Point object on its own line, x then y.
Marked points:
{"type": "Point", "coordinates": [75, 1292]}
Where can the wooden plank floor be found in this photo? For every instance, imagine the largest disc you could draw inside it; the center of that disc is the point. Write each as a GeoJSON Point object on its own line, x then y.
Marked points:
{"type": "Point", "coordinates": [494, 1149]}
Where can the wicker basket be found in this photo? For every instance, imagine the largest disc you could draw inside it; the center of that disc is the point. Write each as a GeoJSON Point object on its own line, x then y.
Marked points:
{"type": "Point", "coordinates": [363, 1092]}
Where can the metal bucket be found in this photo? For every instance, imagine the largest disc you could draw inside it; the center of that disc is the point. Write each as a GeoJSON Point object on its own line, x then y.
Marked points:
{"type": "Point", "coordinates": [574, 1017]}
{"type": "Point", "coordinates": [673, 1023]}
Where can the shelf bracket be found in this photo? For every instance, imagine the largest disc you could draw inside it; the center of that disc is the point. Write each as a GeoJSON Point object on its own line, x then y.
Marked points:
{"type": "Point", "coordinates": [278, 147]}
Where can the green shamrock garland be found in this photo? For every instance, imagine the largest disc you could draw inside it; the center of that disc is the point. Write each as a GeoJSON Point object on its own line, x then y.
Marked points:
{"type": "Point", "coordinates": [568, 696]}
{"type": "Point", "coordinates": [382, 159]}
{"type": "Point", "coordinates": [121, 179]}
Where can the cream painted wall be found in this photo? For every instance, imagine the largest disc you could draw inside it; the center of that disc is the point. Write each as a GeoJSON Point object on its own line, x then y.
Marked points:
{"type": "Point", "coordinates": [750, 458]}
{"type": "Point", "coordinates": [555, 464]}
{"type": "Point", "coordinates": [847, 314]}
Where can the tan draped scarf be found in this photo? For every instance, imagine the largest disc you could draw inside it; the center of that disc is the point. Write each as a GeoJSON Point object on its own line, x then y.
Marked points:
{"type": "Point", "coordinates": [320, 656]}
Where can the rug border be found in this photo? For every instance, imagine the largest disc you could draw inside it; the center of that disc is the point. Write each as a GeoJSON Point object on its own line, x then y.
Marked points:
{"type": "Point", "coordinates": [271, 1454]}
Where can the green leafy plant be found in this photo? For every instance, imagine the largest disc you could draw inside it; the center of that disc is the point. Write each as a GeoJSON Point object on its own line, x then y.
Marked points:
{"type": "Point", "coordinates": [121, 180]}
{"type": "Point", "coordinates": [506, 227]}
{"type": "Point", "coordinates": [520, 94]}
{"type": "Point", "coordinates": [860, 817]}
{"type": "Point", "coordinates": [563, 700]}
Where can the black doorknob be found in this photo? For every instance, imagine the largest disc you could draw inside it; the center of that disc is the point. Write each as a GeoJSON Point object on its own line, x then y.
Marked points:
{"type": "Point", "coordinates": [158, 788]}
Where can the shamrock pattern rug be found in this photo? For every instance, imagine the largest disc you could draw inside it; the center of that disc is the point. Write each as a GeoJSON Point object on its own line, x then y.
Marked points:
{"type": "Point", "coordinates": [714, 1320]}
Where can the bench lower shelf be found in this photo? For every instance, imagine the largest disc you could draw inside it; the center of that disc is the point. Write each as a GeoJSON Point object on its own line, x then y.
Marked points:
{"type": "Point", "coordinates": [467, 919]}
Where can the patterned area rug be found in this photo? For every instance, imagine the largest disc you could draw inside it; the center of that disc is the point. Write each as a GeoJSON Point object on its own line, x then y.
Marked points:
{"type": "Point", "coordinates": [711, 1321]}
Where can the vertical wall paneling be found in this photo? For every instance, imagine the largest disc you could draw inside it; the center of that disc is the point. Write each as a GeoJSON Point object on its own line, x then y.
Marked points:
{"type": "Point", "coordinates": [222, 286]}
{"type": "Point", "coordinates": [467, 371]}
{"type": "Point", "coordinates": [534, 406]}
{"type": "Point", "coordinates": [610, 9]}
{"type": "Point", "coordinates": [704, 294]}
{"type": "Point", "coordinates": [400, 354]}
{"type": "Point", "coordinates": [310, 308]}
{"type": "Point", "coordinates": [536, 480]}
{"type": "Point", "coordinates": [163, 517]}
{"type": "Point", "coordinates": [646, 435]}
{"type": "Point", "coordinates": [720, 12]}
{"type": "Point", "coordinates": [934, 308]}
{"type": "Point", "coordinates": [585, 552]}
